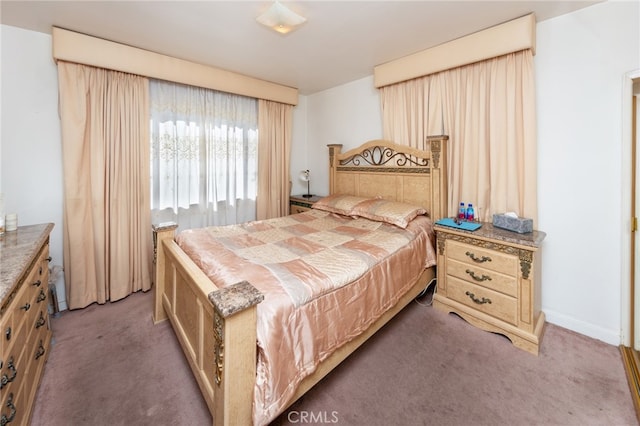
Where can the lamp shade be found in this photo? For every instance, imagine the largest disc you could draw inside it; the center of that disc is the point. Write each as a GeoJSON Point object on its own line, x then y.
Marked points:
{"type": "Point", "coordinates": [280, 18]}
{"type": "Point", "coordinates": [305, 176]}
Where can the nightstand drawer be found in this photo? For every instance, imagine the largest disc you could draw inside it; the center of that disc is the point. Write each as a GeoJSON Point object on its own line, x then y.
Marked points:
{"type": "Point", "coordinates": [483, 277]}
{"type": "Point", "coordinates": [482, 299]}
{"type": "Point", "coordinates": [301, 203]}
{"type": "Point", "coordinates": [298, 209]}
{"type": "Point", "coordinates": [489, 259]}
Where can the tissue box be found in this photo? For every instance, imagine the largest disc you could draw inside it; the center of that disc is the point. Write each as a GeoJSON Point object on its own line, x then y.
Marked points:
{"type": "Point", "coordinates": [521, 225]}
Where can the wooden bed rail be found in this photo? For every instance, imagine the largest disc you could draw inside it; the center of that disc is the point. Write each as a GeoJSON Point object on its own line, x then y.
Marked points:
{"type": "Point", "coordinates": [216, 328]}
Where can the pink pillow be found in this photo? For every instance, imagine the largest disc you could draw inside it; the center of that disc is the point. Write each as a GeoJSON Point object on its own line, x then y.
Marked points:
{"type": "Point", "coordinates": [393, 212]}
{"type": "Point", "coordinates": [338, 203]}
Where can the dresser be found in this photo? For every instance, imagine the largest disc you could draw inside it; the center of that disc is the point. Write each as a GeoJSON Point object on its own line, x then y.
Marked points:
{"type": "Point", "coordinates": [299, 204]}
{"type": "Point", "coordinates": [491, 278]}
{"type": "Point", "coordinates": [25, 334]}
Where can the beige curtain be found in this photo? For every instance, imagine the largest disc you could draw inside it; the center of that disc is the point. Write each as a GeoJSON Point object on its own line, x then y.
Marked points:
{"type": "Point", "coordinates": [274, 148]}
{"type": "Point", "coordinates": [488, 111]}
{"type": "Point", "coordinates": [412, 110]}
{"type": "Point", "coordinates": [105, 144]}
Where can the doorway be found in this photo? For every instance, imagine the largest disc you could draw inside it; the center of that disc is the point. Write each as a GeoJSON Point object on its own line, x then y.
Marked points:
{"type": "Point", "coordinates": [630, 349]}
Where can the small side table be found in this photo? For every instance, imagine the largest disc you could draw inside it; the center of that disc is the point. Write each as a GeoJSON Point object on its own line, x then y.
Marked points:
{"type": "Point", "coordinates": [491, 278]}
{"type": "Point", "coordinates": [299, 204]}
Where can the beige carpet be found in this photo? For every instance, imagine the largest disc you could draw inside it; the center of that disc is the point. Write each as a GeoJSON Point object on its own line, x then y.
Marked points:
{"type": "Point", "coordinates": [109, 365]}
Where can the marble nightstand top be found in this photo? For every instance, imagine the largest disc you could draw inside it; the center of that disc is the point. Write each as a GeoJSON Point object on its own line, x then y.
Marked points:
{"type": "Point", "coordinates": [488, 231]}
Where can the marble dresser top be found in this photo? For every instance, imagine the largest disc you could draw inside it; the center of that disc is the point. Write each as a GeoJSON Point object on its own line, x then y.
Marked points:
{"type": "Point", "coordinates": [487, 230]}
{"type": "Point", "coordinates": [18, 249]}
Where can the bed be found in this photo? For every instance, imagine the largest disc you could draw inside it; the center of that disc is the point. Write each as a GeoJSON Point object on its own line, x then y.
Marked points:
{"type": "Point", "coordinates": [235, 312]}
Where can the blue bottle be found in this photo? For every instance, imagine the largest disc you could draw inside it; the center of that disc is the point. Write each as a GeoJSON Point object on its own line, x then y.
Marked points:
{"type": "Point", "coordinates": [470, 213]}
{"type": "Point", "coordinates": [462, 212]}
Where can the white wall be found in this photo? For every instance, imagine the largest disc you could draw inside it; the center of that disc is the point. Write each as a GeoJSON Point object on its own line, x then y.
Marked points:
{"type": "Point", "coordinates": [580, 61]}
{"type": "Point", "coordinates": [349, 115]}
{"type": "Point", "coordinates": [31, 157]}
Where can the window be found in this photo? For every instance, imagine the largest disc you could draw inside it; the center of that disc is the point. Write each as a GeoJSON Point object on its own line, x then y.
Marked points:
{"type": "Point", "coordinates": [204, 147]}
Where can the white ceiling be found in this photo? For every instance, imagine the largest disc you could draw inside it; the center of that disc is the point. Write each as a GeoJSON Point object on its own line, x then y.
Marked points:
{"type": "Point", "coordinates": [340, 42]}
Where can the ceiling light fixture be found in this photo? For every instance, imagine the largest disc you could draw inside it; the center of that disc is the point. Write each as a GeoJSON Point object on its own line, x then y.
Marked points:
{"type": "Point", "coordinates": [280, 18]}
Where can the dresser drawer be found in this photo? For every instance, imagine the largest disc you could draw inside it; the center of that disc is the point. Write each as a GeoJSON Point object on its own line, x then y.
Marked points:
{"type": "Point", "coordinates": [12, 375]}
{"type": "Point", "coordinates": [38, 278]}
{"type": "Point", "coordinates": [14, 334]}
{"type": "Point", "coordinates": [489, 259]}
{"type": "Point", "coordinates": [14, 407]}
{"type": "Point", "coordinates": [34, 359]}
{"type": "Point", "coordinates": [11, 370]}
{"type": "Point", "coordinates": [483, 277]}
{"type": "Point", "coordinates": [482, 299]}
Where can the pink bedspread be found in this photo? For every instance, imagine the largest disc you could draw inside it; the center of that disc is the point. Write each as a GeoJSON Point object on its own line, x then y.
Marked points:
{"type": "Point", "coordinates": [325, 278]}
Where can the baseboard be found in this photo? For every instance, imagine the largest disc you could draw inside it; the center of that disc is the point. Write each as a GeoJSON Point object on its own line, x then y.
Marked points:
{"type": "Point", "coordinates": [612, 337]}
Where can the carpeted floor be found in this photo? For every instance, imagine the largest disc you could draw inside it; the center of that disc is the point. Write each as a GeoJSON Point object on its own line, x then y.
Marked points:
{"type": "Point", "coordinates": [109, 365]}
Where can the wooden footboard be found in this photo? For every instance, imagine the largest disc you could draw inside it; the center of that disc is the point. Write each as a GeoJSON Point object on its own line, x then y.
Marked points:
{"type": "Point", "coordinates": [215, 327]}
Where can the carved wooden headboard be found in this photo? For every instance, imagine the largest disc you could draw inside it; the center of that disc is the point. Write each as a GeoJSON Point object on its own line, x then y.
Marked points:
{"type": "Point", "coordinates": [384, 169]}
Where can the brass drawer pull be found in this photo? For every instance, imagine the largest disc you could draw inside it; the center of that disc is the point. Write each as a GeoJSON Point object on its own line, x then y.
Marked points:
{"type": "Point", "coordinates": [41, 321]}
{"type": "Point", "coordinates": [478, 278]}
{"type": "Point", "coordinates": [12, 414]}
{"type": "Point", "coordinates": [478, 259]}
{"type": "Point", "coordinates": [4, 380]}
{"type": "Point", "coordinates": [37, 283]}
{"type": "Point", "coordinates": [476, 300]}
{"type": "Point", "coordinates": [42, 296]}
{"type": "Point", "coordinates": [40, 351]}
{"type": "Point", "coordinates": [26, 306]}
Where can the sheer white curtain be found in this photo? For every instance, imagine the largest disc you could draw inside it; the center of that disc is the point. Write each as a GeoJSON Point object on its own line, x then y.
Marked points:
{"type": "Point", "coordinates": [203, 155]}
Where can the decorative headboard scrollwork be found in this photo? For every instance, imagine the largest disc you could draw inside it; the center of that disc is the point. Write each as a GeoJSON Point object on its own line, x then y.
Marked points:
{"type": "Point", "coordinates": [382, 156]}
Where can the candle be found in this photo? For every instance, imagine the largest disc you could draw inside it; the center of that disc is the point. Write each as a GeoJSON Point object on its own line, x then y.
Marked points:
{"type": "Point", "coordinates": [11, 222]}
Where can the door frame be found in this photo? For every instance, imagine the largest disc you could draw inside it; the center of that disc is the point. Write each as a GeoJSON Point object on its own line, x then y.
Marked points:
{"type": "Point", "coordinates": [627, 149]}
{"type": "Point", "coordinates": [630, 286]}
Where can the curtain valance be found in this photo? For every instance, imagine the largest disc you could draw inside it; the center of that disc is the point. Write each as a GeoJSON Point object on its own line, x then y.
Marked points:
{"type": "Point", "coordinates": [87, 50]}
{"type": "Point", "coordinates": [512, 36]}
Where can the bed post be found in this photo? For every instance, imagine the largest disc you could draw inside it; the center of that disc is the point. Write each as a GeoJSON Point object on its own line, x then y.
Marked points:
{"type": "Point", "coordinates": [334, 151]}
{"type": "Point", "coordinates": [439, 188]}
{"type": "Point", "coordinates": [235, 351]}
{"type": "Point", "coordinates": [161, 232]}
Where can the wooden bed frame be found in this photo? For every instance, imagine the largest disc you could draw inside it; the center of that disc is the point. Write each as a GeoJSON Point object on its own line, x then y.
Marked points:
{"type": "Point", "coordinates": [217, 327]}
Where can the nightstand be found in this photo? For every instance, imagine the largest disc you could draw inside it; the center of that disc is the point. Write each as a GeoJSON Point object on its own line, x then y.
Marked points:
{"type": "Point", "coordinates": [491, 278]}
{"type": "Point", "coordinates": [299, 204]}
